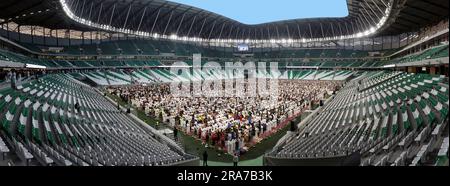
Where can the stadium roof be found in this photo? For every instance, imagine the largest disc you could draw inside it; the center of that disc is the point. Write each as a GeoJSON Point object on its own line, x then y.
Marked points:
{"type": "Point", "coordinates": [162, 18]}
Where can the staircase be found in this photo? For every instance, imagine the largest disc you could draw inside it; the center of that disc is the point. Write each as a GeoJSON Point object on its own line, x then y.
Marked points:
{"type": "Point", "coordinates": [179, 142]}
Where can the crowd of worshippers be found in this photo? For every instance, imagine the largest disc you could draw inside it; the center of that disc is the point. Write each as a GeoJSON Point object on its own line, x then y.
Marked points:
{"type": "Point", "coordinates": [230, 123]}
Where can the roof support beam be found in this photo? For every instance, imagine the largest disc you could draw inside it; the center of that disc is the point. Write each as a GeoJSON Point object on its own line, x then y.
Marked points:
{"type": "Point", "coordinates": [379, 9]}
{"type": "Point", "coordinates": [278, 33]}
{"type": "Point", "coordinates": [237, 32]}
{"type": "Point", "coordinates": [371, 9]}
{"type": "Point", "coordinates": [169, 13]}
{"type": "Point", "coordinates": [385, 5]}
{"type": "Point", "coordinates": [243, 33]}
{"type": "Point", "coordinates": [367, 20]}
{"type": "Point", "coordinates": [310, 30]}
{"type": "Point", "coordinates": [231, 31]}
{"type": "Point", "coordinates": [321, 29]}
{"type": "Point", "coordinates": [217, 31]}
{"type": "Point", "coordinates": [360, 26]}
{"type": "Point", "coordinates": [201, 29]}
{"type": "Point", "coordinates": [168, 22]}
{"type": "Point", "coordinates": [194, 15]}
{"type": "Point", "coordinates": [346, 28]}
{"type": "Point", "coordinates": [142, 18]}
{"type": "Point", "coordinates": [76, 7]}
{"type": "Point", "coordinates": [135, 18]}
{"type": "Point", "coordinates": [299, 31]}
{"type": "Point", "coordinates": [212, 29]}
{"type": "Point", "coordinates": [152, 14]}
{"type": "Point", "coordinates": [261, 33]}
{"type": "Point", "coordinates": [100, 13]}
{"type": "Point", "coordinates": [112, 14]}
{"type": "Point", "coordinates": [332, 29]}
{"type": "Point", "coordinates": [190, 28]}
{"type": "Point", "coordinates": [107, 10]}
{"type": "Point", "coordinates": [287, 29]}
{"type": "Point", "coordinates": [156, 20]}
{"type": "Point", "coordinates": [126, 19]}
{"type": "Point", "coordinates": [363, 24]}
{"type": "Point", "coordinates": [181, 22]}
{"type": "Point", "coordinates": [353, 26]}
{"type": "Point", "coordinates": [371, 17]}
{"type": "Point", "coordinates": [221, 30]}
{"type": "Point", "coordinates": [90, 11]}
{"type": "Point", "coordinates": [82, 8]}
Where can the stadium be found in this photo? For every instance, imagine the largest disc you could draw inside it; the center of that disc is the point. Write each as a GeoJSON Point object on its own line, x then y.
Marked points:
{"type": "Point", "coordinates": [170, 83]}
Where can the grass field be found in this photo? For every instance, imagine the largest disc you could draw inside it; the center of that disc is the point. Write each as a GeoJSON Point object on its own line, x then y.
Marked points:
{"type": "Point", "coordinates": [191, 145]}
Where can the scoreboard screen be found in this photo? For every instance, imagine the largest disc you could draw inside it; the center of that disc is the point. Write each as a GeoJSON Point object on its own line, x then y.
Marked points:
{"type": "Point", "coordinates": [243, 48]}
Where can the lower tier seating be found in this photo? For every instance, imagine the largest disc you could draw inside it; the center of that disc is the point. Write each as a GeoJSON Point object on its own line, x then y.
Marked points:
{"type": "Point", "coordinates": [391, 118]}
{"type": "Point", "coordinates": [57, 120]}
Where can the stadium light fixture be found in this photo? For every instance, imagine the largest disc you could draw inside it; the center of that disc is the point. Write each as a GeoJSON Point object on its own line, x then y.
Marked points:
{"type": "Point", "coordinates": [173, 37]}
{"type": "Point", "coordinates": [388, 66]}
{"type": "Point", "coordinates": [34, 66]}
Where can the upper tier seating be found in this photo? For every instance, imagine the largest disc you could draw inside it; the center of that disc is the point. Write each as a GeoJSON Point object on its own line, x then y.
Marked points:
{"type": "Point", "coordinates": [431, 53]}
{"type": "Point", "coordinates": [144, 47]}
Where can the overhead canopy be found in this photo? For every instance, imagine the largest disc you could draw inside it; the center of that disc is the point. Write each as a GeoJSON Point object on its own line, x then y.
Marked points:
{"type": "Point", "coordinates": [169, 18]}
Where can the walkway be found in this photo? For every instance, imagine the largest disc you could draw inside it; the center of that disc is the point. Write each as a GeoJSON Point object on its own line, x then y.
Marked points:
{"type": "Point", "coordinates": [254, 162]}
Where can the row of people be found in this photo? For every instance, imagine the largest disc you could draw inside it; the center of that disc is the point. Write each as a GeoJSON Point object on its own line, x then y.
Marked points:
{"type": "Point", "coordinates": [231, 123]}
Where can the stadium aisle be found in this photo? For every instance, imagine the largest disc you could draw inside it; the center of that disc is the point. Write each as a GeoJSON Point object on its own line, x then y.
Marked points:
{"type": "Point", "coordinates": [254, 162]}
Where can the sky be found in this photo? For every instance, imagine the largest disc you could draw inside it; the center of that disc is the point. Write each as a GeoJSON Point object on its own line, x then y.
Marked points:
{"type": "Point", "coordinates": [263, 11]}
